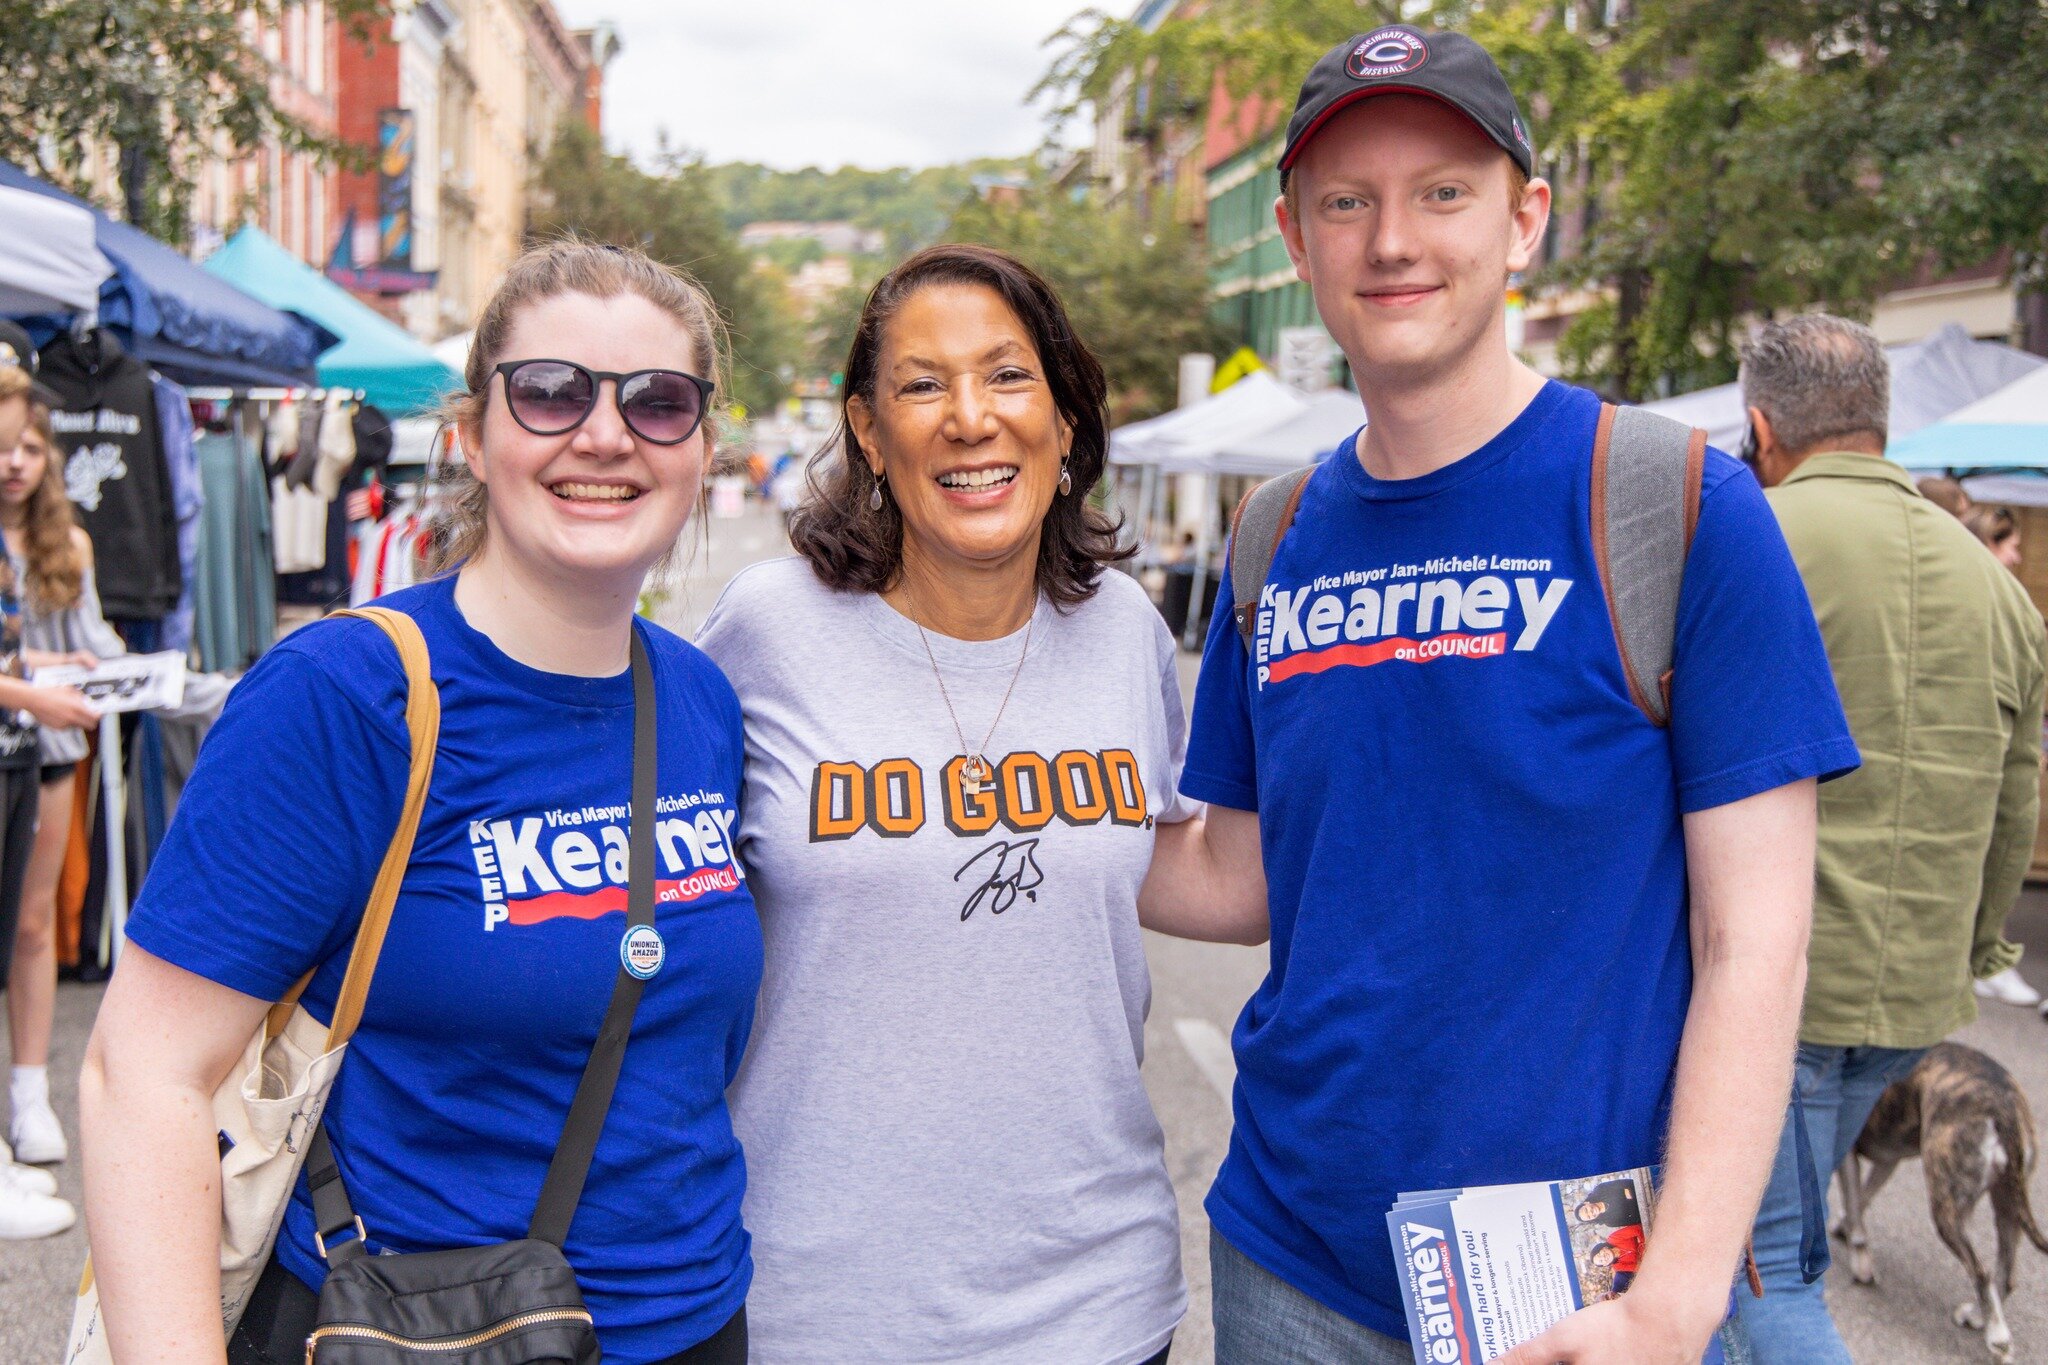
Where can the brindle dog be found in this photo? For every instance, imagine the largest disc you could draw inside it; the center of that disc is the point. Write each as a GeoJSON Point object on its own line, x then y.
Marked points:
{"type": "Point", "coordinates": [1961, 1113]}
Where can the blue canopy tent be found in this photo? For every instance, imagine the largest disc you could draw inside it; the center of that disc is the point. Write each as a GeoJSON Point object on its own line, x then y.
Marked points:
{"type": "Point", "coordinates": [394, 371]}
{"type": "Point", "coordinates": [192, 326]}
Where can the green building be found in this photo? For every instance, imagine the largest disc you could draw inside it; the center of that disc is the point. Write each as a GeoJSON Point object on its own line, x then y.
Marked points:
{"type": "Point", "coordinates": [1252, 289]}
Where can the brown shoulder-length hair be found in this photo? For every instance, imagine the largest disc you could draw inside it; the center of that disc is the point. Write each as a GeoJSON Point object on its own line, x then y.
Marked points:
{"type": "Point", "coordinates": [854, 548]}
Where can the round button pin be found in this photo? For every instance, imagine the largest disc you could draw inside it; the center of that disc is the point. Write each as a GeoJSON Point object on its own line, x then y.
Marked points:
{"type": "Point", "coordinates": [641, 951]}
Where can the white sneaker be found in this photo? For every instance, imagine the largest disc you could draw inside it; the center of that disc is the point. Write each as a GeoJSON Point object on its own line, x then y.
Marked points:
{"type": "Point", "coordinates": [24, 1177]}
{"type": "Point", "coordinates": [2009, 988]}
{"type": "Point", "coordinates": [38, 1137]}
{"type": "Point", "coordinates": [25, 1214]}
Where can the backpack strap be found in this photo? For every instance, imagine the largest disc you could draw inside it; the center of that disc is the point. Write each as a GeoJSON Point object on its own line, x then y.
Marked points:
{"type": "Point", "coordinates": [1646, 505]}
{"type": "Point", "coordinates": [1256, 529]}
{"type": "Point", "coordinates": [423, 729]}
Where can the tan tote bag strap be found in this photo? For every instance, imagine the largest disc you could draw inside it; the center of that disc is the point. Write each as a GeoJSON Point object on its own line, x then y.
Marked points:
{"type": "Point", "coordinates": [423, 724]}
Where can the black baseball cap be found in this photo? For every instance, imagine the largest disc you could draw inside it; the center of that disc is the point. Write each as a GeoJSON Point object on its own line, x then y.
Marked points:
{"type": "Point", "coordinates": [1399, 60]}
{"type": "Point", "coordinates": [17, 349]}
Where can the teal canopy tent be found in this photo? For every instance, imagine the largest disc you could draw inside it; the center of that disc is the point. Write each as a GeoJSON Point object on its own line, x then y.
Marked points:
{"type": "Point", "coordinates": [394, 371]}
{"type": "Point", "coordinates": [2007, 430]}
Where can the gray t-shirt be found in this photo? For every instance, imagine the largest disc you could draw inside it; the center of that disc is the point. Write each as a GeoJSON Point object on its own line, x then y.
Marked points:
{"type": "Point", "coordinates": [950, 1154]}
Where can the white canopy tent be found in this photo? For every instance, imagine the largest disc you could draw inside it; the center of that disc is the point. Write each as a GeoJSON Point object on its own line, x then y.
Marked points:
{"type": "Point", "coordinates": [1192, 440]}
{"type": "Point", "coordinates": [50, 261]}
{"type": "Point", "coordinates": [1325, 422]}
{"type": "Point", "coordinates": [2013, 490]}
{"type": "Point", "coordinates": [1186, 439]}
{"type": "Point", "coordinates": [1931, 378]}
{"type": "Point", "coordinates": [454, 351]}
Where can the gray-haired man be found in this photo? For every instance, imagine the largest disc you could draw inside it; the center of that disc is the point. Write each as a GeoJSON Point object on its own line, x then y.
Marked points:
{"type": "Point", "coordinates": [1938, 655]}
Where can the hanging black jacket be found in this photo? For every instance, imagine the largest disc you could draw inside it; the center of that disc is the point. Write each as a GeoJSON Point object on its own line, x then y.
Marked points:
{"type": "Point", "coordinates": [116, 472]}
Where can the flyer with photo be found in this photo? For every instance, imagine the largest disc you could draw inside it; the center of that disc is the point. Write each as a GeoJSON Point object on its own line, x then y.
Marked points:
{"type": "Point", "coordinates": [132, 682]}
{"type": "Point", "coordinates": [1485, 1269]}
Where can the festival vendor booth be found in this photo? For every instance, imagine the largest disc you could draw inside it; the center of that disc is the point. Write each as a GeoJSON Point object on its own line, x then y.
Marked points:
{"type": "Point", "coordinates": [349, 543]}
{"type": "Point", "coordinates": [175, 318]}
{"type": "Point", "coordinates": [49, 260]}
{"type": "Point", "coordinates": [394, 372]}
{"type": "Point", "coordinates": [124, 359]}
{"type": "Point", "coordinates": [1253, 430]}
{"type": "Point", "coordinates": [1931, 378]}
{"type": "Point", "coordinates": [1326, 421]}
{"type": "Point", "coordinates": [2007, 430]}
{"type": "Point", "coordinates": [1142, 454]}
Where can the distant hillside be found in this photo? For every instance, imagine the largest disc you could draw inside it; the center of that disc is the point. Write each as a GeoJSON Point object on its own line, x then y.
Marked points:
{"type": "Point", "coordinates": [911, 207]}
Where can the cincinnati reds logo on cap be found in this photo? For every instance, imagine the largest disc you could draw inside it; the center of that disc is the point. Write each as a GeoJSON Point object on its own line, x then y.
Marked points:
{"type": "Point", "coordinates": [1389, 52]}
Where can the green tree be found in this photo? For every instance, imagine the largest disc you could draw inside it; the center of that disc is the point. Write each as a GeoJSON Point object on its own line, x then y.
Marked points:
{"type": "Point", "coordinates": [167, 85]}
{"type": "Point", "coordinates": [1719, 159]}
{"type": "Point", "coordinates": [1742, 160]}
{"type": "Point", "coordinates": [674, 214]}
{"type": "Point", "coordinates": [1137, 292]}
{"type": "Point", "coordinates": [832, 328]}
{"type": "Point", "coordinates": [1262, 47]}
{"type": "Point", "coordinates": [910, 207]}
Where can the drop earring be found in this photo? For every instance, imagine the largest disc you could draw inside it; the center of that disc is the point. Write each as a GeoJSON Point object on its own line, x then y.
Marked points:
{"type": "Point", "coordinates": [1066, 479]}
{"type": "Point", "coordinates": [875, 498]}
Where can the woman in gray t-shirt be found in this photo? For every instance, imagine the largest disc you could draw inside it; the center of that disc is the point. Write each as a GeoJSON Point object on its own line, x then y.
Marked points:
{"type": "Point", "coordinates": [961, 732]}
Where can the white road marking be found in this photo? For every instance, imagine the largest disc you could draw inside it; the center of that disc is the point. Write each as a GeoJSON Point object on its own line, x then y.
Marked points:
{"type": "Point", "coordinates": [1211, 1051]}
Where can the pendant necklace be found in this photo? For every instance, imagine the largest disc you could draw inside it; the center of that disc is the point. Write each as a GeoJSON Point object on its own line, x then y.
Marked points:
{"type": "Point", "coordinates": [977, 776]}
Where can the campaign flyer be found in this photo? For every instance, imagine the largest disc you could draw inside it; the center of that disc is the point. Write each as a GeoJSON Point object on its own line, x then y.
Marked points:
{"type": "Point", "coordinates": [1485, 1269]}
{"type": "Point", "coordinates": [131, 682]}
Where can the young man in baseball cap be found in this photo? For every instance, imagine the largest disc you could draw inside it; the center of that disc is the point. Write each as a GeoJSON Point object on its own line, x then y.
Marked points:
{"type": "Point", "coordinates": [1520, 930]}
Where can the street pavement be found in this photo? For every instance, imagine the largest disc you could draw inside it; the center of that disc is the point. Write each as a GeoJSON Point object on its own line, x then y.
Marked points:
{"type": "Point", "coordinates": [1197, 991]}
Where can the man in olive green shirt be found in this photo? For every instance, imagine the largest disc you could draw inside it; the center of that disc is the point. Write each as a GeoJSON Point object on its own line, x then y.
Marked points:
{"type": "Point", "coordinates": [1939, 656]}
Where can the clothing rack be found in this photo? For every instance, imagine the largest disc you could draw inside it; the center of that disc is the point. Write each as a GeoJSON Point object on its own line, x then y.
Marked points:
{"type": "Point", "coordinates": [267, 395]}
{"type": "Point", "coordinates": [114, 793]}
{"type": "Point", "coordinates": [114, 923]}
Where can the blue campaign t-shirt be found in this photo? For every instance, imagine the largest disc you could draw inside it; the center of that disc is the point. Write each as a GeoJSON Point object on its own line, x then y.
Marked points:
{"type": "Point", "coordinates": [1472, 837]}
{"type": "Point", "coordinates": [502, 952]}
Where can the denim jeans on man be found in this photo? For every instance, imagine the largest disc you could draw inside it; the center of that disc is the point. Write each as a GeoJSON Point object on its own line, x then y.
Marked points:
{"type": "Point", "coordinates": [1837, 1087]}
{"type": "Point", "coordinates": [1261, 1319]}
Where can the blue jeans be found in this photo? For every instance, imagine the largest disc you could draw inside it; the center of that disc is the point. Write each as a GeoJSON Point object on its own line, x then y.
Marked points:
{"type": "Point", "coordinates": [1261, 1319]}
{"type": "Point", "coordinates": [1836, 1087]}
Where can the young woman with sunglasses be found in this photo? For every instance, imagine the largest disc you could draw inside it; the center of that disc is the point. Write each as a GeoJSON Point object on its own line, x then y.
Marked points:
{"type": "Point", "coordinates": [585, 445]}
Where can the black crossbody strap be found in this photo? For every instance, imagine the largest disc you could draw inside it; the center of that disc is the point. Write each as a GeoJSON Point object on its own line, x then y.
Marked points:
{"type": "Point", "coordinates": [564, 1187]}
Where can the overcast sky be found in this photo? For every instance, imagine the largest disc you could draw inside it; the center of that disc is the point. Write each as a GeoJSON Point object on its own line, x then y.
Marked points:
{"type": "Point", "coordinates": [827, 82]}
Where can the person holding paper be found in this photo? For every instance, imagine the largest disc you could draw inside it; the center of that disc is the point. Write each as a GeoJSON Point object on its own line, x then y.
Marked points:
{"type": "Point", "coordinates": [50, 558]}
{"type": "Point", "coordinates": [1520, 930]}
{"type": "Point", "coordinates": [28, 1203]}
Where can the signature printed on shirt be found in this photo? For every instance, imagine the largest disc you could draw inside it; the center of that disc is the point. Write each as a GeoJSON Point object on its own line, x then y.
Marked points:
{"type": "Point", "coordinates": [1008, 870]}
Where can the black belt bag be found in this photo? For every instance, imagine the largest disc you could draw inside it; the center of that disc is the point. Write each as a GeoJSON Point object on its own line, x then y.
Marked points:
{"type": "Point", "coordinates": [511, 1303]}
{"type": "Point", "coordinates": [514, 1303]}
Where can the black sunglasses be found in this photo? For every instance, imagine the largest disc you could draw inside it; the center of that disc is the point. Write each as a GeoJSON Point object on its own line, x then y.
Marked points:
{"type": "Point", "coordinates": [550, 397]}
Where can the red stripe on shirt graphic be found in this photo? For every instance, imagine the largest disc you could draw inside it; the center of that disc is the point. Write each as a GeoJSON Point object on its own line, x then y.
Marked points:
{"type": "Point", "coordinates": [606, 900]}
{"type": "Point", "coordinates": [1456, 646]}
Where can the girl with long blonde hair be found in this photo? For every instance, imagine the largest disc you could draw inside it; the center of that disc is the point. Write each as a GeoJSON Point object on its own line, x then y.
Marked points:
{"type": "Point", "coordinates": [28, 1203]}
{"type": "Point", "coordinates": [50, 558]}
